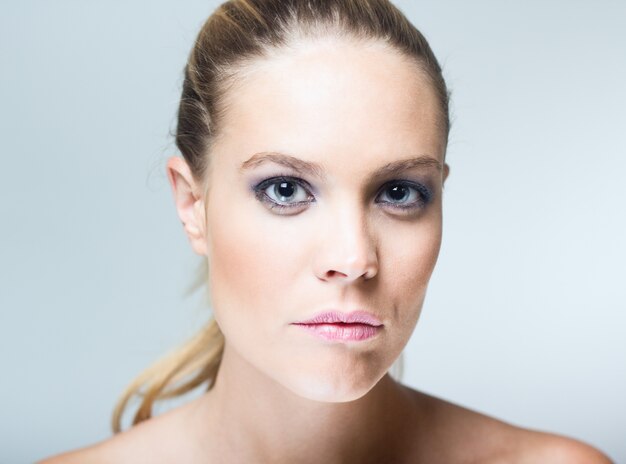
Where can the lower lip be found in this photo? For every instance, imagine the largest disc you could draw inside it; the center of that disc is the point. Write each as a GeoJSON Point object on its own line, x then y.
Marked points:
{"type": "Point", "coordinates": [342, 332]}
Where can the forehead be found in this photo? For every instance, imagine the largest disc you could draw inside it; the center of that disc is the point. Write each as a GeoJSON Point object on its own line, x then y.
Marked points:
{"type": "Point", "coordinates": [332, 100]}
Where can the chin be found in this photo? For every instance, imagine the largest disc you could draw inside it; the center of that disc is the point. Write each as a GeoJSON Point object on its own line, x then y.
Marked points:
{"type": "Point", "coordinates": [334, 387]}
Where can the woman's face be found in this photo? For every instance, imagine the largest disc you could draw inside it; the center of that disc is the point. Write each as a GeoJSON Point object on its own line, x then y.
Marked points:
{"type": "Point", "coordinates": [324, 193]}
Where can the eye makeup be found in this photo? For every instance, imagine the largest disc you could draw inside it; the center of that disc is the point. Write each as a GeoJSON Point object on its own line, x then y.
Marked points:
{"type": "Point", "coordinates": [268, 189]}
{"type": "Point", "coordinates": [422, 195]}
{"type": "Point", "coordinates": [260, 192]}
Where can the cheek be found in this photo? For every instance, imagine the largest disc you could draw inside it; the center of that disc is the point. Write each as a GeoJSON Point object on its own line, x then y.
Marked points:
{"type": "Point", "coordinates": [417, 256]}
{"type": "Point", "coordinates": [409, 258]}
{"type": "Point", "coordinates": [254, 259]}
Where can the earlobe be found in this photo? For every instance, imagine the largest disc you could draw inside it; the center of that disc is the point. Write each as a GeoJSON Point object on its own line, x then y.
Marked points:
{"type": "Point", "coordinates": [189, 202]}
{"type": "Point", "coordinates": [446, 172]}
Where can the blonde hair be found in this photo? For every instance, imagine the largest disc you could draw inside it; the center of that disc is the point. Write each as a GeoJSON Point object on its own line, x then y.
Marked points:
{"type": "Point", "coordinates": [236, 34]}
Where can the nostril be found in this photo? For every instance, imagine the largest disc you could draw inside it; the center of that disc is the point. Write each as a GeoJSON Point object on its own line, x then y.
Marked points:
{"type": "Point", "coordinates": [332, 273]}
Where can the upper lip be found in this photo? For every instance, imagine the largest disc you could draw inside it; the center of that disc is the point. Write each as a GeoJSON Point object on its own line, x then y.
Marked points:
{"type": "Point", "coordinates": [354, 317]}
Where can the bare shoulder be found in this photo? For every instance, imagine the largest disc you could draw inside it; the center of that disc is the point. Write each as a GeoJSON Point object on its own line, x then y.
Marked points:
{"type": "Point", "coordinates": [538, 446]}
{"type": "Point", "coordinates": [122, 448]}
{"type": "Point", "coordinates": [95, 454]}
{"type": "Point", "coordinates": [470, 436]}
{"type": "Point", "coordinates": [153, 441]}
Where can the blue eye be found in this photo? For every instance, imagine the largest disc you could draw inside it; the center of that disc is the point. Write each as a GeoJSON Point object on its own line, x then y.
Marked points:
{"type": "Point", "coordinates": [283, 193]}
{"type": "Point", "coordinates": [406, 195]}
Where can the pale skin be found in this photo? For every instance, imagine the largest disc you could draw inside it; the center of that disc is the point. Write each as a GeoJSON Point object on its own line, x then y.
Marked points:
{"type": "Point", "coordinates": [282, 395]}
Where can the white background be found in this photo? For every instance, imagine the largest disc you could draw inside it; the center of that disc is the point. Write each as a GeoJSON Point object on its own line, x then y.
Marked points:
{"type": "Point", "coordinates": [525, 316]}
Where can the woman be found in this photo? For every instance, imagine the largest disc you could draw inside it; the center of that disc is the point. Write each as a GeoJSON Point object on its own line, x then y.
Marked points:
{"type": "Point", "coordinates": [313, 136]}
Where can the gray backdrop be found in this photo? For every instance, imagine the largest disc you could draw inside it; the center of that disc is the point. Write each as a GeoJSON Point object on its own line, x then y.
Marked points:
{"type": "Point", "coordinates": [525, 317]}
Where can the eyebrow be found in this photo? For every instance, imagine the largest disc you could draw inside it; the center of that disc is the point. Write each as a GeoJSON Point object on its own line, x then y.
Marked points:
{"type": "Point", "coordinates": [292, 162]}
{"type": "Point", "coordinates": [316, 170]}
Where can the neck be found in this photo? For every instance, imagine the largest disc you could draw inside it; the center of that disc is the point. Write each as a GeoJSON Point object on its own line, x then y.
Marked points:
{"type": "Point", "coordinates": [251, 416]}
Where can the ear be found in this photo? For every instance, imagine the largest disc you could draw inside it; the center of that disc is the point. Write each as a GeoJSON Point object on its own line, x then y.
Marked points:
{"type": "Point", "coordinates": [446, 172]}
{"type": "Point", "coordinates": [189, 203]}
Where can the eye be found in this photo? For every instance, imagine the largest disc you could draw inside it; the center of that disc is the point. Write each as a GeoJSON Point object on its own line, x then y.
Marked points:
{"type": "Point", "coordinates": [283, 193]}
{"type": "Point", "coordinates": [405, 195]}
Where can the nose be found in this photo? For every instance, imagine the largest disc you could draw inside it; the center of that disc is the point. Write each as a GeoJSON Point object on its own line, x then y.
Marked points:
{"type": "Point", "coordinates": [347, 251]}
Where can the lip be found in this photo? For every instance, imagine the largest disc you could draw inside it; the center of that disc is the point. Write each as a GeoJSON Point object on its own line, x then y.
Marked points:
{"type": "Point", "coordinates": [334, 317]}
{"type": "Point", "coordinates": [337, 326]}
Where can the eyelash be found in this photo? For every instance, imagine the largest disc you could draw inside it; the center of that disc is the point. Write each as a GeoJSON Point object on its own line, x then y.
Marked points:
{"type": "Point", "coordinates": [260, 188]}
{"type": "Point", "coordinates": [423, 193]}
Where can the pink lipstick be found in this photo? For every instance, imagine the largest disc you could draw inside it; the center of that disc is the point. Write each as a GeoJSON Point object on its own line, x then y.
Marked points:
{"type": "Point", "coordinates": [338, 326]}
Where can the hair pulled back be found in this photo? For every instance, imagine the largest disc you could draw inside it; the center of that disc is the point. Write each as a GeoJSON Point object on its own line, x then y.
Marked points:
{"type": "Point", "coordinates": [238, 33]}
